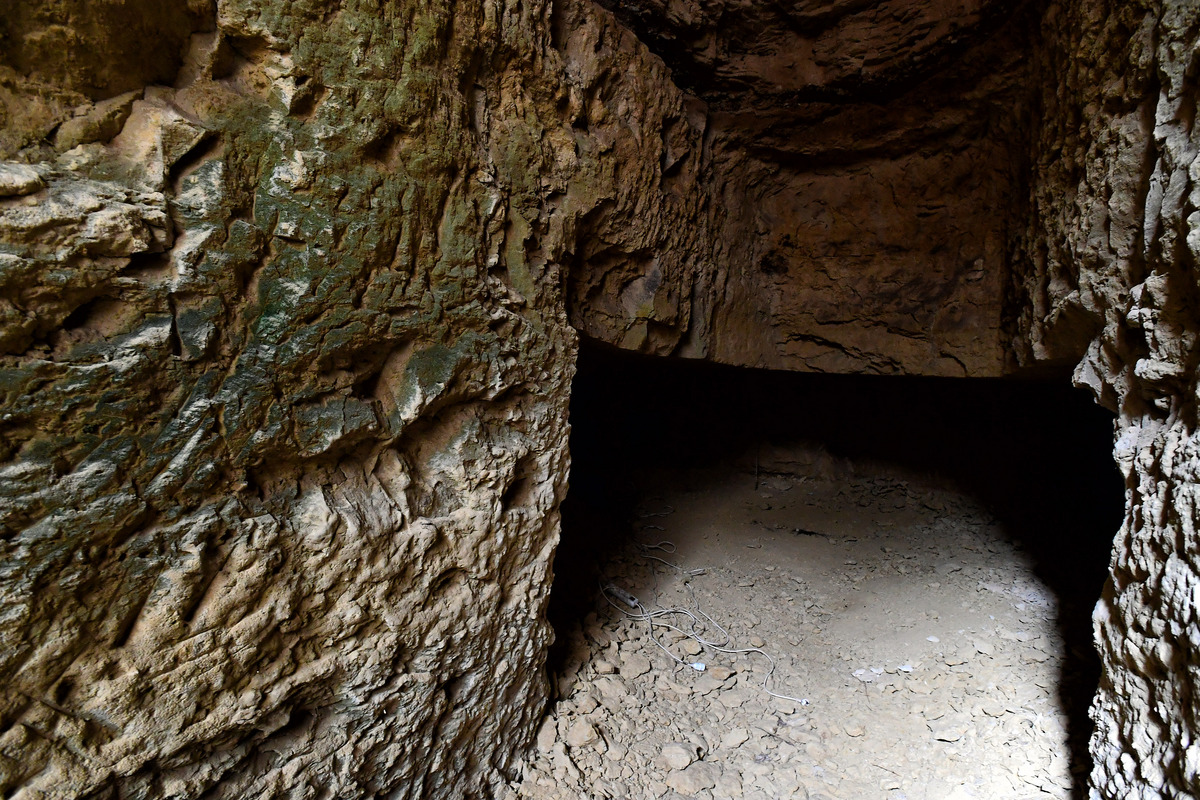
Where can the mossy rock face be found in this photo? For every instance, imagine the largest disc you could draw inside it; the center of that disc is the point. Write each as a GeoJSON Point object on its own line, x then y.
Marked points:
{"type": "Point", "coordinates": [261, 401]}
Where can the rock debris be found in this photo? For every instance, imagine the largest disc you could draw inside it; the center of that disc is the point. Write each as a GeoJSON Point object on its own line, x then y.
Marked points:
{"type": "Point", "coordinates": [923, 644]}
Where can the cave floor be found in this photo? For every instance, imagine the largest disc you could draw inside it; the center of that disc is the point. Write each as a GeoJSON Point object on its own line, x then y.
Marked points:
{"type": "Point", "coordinates": [923, 653]}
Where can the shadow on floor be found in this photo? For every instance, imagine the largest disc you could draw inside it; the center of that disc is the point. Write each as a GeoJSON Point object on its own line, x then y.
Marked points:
{"type": "Point", "coordinates": [1036, 453]}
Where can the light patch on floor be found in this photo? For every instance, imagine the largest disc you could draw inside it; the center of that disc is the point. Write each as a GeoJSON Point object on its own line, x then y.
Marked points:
{"type": "Point", "coordinates": [922, 645]}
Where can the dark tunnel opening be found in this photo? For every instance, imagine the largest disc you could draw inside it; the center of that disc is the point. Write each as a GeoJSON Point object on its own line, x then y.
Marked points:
{"type": "Point", "coordinates": [1036, 454]}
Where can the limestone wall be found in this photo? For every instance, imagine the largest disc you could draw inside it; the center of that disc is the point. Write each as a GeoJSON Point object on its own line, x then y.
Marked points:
{"type": "Point", "coordinates": [1112, 268]}
{"type": "Point", "coordinates": [284, 403]}
{"type": "Point", "coordinates": [860, 179]}
{"type": "Point", "coordinates": [285, 361]}
{"type": "Point", "coordinates": [288, 315]}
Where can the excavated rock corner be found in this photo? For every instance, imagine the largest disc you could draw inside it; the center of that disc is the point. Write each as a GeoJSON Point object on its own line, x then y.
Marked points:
{"type": "Point", "coordinates": [289, 301]}
{"type": "Point", "coordinates": [1110, 266]}
{"type": "Point", "coordinates": [865, 167]}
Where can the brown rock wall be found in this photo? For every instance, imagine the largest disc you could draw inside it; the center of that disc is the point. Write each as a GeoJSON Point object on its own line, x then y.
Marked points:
{"type": "Point", "coordinates": [58, 54]}
{"type": "Point", "coordinates": [285, 371]}
{"type": "Point", "coordinates": [848, 217]}
{"type": "Point", "coordinates": [286, 346]}
{"type": "Point", "coordinates": [284, 396]}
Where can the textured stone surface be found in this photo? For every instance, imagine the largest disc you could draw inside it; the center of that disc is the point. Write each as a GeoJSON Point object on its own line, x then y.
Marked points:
{"type": "Point", "coordinates": [764, 55]}
{"type": "Point", "coordinates": [860, 162]}
{"type": "Point", "coordinates": [57, 54]}
{"type": "Point", "coordinates": [288, 302]}
{"type": "Point", "coordinates": [1112, 271]}
{"type": "Point", "coordinates": [285, 374]}
{"type": "Point", "coordinates": [284, 419]}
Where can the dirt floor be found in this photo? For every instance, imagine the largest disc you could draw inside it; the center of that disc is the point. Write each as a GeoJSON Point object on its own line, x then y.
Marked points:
{"type": "Point", "coordinates": [917, 653]}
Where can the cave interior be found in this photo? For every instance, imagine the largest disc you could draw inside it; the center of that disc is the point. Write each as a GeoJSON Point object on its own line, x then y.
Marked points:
{"type": "Point", "coordinates": [887, 148]}
{"type": "Point", "coordinates": [1035, 453]}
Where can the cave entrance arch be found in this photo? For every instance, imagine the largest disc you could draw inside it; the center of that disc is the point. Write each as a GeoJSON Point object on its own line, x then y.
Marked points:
{"type": "Point", "coordinates": [1032, 459]}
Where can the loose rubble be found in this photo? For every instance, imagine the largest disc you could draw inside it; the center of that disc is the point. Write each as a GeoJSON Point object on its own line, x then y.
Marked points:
{"type": "Point", "coordinates": [921, 647]}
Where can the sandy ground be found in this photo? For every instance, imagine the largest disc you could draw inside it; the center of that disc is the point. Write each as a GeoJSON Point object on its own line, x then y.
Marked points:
{"type": "Point", "coordinates": [919, 649]}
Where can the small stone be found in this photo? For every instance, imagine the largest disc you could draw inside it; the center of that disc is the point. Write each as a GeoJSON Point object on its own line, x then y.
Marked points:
{"type": "Point", "coordinates": [729, 785]}
{"type": "Point", "coordinates": [694, 779]}
{"type": "Point", "coordinates": [655, 788]}
{"type": "Point", "coordinates": [784, 705]}
{"type": "Point", "coordinates": [991, 708]}
{"type": "Point", "coordinates": [955, 658]}
{"type": "Point", "coordinates": [855, 730]}
{"type": "Point", "coordinates": [19, 179]}
{"type": "Point", "coordinates": [732, 699]}
{"type": "Point", "coordinates": [933, 639]}
{"type": "Point", "coordinates": [755, 641]}
{"type": "Point", "coordinates": [582, 733]}
{"type": "Point", "coordinates": [604, 667]}
{"type": "Point", "coordinates": [563, 765]}
{"type": "Point", "coordinates": [721, 673]}
{"type": "Point", "coordinates": [735, 738]}
{"type": "Point", "coordinates": [546, 735]}
{"type": "Point", "coordinates": [612, 688]}
{"type": "Point", "coordinates": [634, 665]}
{"type": "Point", "coordinates": [692, 647]}
{"type": "Point", "coordinates": [677, 755]}
{"type": "Point", "coordinates": [945, 730]}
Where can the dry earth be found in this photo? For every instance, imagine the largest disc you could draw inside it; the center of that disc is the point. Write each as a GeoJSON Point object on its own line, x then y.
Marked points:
{"type": "Point", "coordinates": [924, 649]}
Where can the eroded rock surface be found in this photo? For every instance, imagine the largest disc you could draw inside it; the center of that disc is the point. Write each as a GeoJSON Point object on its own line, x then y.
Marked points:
{"type": "Point", "coordinates": [58, 54]}
{"type": "Point", "coordinates": [288, 307]}
{"type": "Point", "coordinates": [1112, 268]}
{"type": "Point", "coordinates": [284, 426]}
{"type": "Point", "coordinates": [868, 161]}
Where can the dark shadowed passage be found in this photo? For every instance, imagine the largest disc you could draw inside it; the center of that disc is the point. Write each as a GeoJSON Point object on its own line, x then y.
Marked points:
{"type": "Point", "coordinates": [1035, 456]}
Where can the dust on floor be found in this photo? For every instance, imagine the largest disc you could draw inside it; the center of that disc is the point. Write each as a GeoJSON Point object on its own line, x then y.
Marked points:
{"type": "Point", "coordinates": [919, 648]}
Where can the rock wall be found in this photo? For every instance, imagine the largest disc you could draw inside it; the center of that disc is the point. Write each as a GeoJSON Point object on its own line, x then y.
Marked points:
{"type": "Point", "coordinates": [288, 310]}
{"type": "Point", "coordinates": [285, 362]}
{"type": "Point", "coordinates": [1110, 274]}
{"type": "Point", "coordinates": [284, 399]}
{"type": "Point", "coordinates": [864, 164]}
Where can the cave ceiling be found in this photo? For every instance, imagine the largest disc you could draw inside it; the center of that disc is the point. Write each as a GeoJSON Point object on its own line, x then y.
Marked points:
{"type": "Point", "coordinates": [790, 80]}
